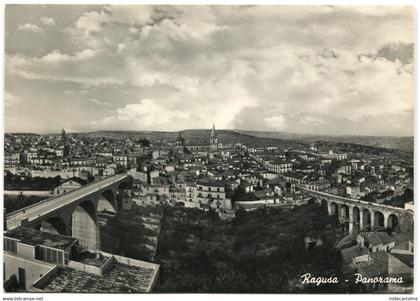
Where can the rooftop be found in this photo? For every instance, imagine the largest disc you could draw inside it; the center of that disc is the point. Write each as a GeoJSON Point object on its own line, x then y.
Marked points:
{"type": "Point", "coordinates": [349, 253]}
{"type": "Point", "coordinates": [35, 237]}
{"type": "Point", "coordinates": [376, 238]}
{"type": "Point", "coordinates": [276, 160]}
{"type": "Point", "coordinates": [210, 182]}
{"type": "Point", "coordinates": [407, 259]}
{"type": "Point", "coordinates": [120, 278]}
{"type": "Point", "coordinates": [378, 265]}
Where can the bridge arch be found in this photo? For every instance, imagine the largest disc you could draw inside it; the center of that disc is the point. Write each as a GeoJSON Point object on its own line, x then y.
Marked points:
{"type": "Point", "coordinates": [392, 221]}
{"type": "Point", "coordinates": [378, 219]}
{"type": "Point", "coordinates": [400, 218]}
{"type": "Point", "coordinates": [85, 225]}
{"type": "Point", "coordinates": [333, 209]}
{"type": "Point", "coordinates": [356, 214]}
{"type": "Point", "coordinates": [107, 202]}
{"type": "Point", "coordinates": [312, 201]}
{"type": "Point", "coordinates": [365, 219]}
{"type": "Point", "coordinates": [54, 225]}
{"type": "Point", "coordinates": [121, 194]}
{"type": "Point", "coordinates": [124, 184]}
{"type": "Point", "coordinates": [344, 212]}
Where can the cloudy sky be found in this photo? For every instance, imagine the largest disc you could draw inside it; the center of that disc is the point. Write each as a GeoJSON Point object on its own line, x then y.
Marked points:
{"type": "Point", "coordinates": [318, 69]}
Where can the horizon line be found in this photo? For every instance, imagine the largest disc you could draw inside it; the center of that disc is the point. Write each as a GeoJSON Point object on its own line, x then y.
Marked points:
{"type": "Point", "coordinates": [209, 129]}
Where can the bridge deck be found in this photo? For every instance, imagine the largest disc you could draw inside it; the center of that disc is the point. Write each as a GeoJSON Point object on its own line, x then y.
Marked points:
{"type": "Point", "coordinates": [349, 200]}
{"type": "Point", "coordinates": [52, 204]}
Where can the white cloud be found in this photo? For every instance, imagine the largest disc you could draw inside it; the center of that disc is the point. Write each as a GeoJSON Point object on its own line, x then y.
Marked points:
{"type": "Point", "coordinates": [99, 102]}
{"type": "Point", "coordinates": [48, 21]}
{"type": "Point", "coordinates": [224, 64]}
{"type": "Point", "coordinates": [276, 122]}
{"type": "Point", "coordinates": [92, 21]}
{"type": "Point", "coordinates": [72, 92]}
{"type": "Point", "coordinates": [131, 14]}
{"type": "Point", "coordinates": [133, 30]}
{"type": "Point", "coordinates": [148, 113]}
{"type": "Point", "coordinates": [11, 99]}
{"type": "Point", "coordinates": [121, 46]}
{"type": "Point", "coordinates": [30, 27]}
{"type": "Point", "coordinates": [310, 120]}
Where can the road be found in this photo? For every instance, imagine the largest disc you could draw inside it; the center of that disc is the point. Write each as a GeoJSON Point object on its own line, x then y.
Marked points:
{"type": "Point", "coordinates": [39, 209]}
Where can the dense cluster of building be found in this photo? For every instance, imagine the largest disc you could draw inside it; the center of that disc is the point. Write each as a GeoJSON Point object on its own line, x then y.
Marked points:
{"type": "Point", "coordinates": [226, 177]}
{"type": "Point", "coordinates": [207, 174]}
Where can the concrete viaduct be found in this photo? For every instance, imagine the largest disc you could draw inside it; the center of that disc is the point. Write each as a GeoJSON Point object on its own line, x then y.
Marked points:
{"type": "Point", "coordinates": [74, 213]}
{"type": "Point", "coordinates": [363, 214]}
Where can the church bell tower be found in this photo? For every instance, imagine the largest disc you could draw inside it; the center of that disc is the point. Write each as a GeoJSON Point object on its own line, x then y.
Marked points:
{"type": "Point", "coordinates": [213, 140]}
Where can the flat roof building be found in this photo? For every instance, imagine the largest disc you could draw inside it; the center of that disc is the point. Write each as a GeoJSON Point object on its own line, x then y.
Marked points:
{"type": "Point", "coordinates": [39, 261]}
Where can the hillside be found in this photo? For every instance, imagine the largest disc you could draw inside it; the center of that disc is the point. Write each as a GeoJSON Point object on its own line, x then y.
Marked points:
{"type": "Point", "coordinates": [198, 136]}
{"type": "Point", "coordinates": [401, 143]}
{"type": "Point", "coordinates": [289, 140]}
{"type": "Point", "coordinates": [256, 138]}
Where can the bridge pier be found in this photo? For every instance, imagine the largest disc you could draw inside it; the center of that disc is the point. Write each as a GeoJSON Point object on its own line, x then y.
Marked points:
{"type": "Point", "coordinates": [86, 229]}
{"type": "Point", "coordinates": [372, 220]}
{"type": "Point", "coordinates": [362, 222]}
{"type": "Point", "coordinates": [342, 213]}
{"type": "Point", "coordinates": [330, 210]}
{"type": "Point", "coordinates": [351, 221]}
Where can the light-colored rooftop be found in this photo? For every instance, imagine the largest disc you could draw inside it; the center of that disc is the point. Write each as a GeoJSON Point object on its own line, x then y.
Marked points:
{"type": "Point", "coordinates": [120, 278]}
{"type": "Point", "coordinates": [35, 237]}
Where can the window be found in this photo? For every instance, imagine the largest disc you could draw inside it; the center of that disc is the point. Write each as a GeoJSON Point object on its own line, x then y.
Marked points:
{"type": "Point", "coordinates": [42, 254]}
{"type": "Point", "coordinates": [49, 255]}
{"type": "Point", "coordinates": [54, 256]}
{"type": "Point", "coordinates": [10, 245]}
{"type": "Point", "coordinates": [22, 278]}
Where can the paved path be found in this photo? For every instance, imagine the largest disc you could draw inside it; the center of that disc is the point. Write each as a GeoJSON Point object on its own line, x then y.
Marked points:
{"type": "Point", "coordinates": [49, 205]}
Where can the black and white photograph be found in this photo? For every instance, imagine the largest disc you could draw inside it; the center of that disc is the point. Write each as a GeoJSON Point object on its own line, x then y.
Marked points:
{"type": "Point", "coordinates": [212, 149]}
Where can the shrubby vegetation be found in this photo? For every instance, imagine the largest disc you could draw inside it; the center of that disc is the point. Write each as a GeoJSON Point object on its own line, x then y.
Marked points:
{"type": "Point", "coordinates": [239, 194]}
{"type": "Point", "coordinates": [15, 202]}
{"type": "Point", "coordinates": [400, 200]}
{"type": "Point", "coordinates": [259, 251]}
{"type": "Point", "coordinates": [396, 201]}
{"type": "Point", "coordinates": [125, 234]}
{"type": "Point", "coordinates": [16, 182]}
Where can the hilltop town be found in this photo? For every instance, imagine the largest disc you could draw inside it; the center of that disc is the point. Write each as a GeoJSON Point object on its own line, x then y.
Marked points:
{"type": "Point", "coordinates": [364, 194]}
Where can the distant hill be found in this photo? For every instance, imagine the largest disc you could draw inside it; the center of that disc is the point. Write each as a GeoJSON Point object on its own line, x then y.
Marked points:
{"type": "Point", "coordinates": [199, 136]}
{"type": "Point", "coordinates": [21, 134]}
{"type": "Point", "coordinates": [289, 140]}
{"type": "Point", "coordinates": [401, 143]}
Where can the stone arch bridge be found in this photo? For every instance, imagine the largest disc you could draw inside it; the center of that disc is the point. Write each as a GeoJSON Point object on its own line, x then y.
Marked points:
{"type": "Point", "coordinates": [363, 214]}
{"type": "Point", "coordinates": [74, 213]}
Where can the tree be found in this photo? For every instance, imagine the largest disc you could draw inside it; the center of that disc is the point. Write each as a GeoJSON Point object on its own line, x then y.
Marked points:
{"type": "Point", "coordinates": [240, 195]}
{"type": "Point", "coordinates": [144, 142]}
